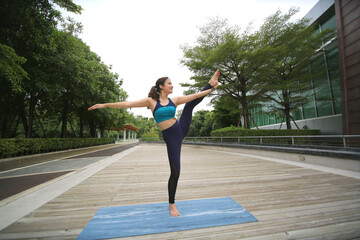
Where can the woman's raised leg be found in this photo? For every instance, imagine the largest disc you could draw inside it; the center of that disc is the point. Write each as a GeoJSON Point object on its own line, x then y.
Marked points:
{"type": "Point", "coordinates": [186, 115]}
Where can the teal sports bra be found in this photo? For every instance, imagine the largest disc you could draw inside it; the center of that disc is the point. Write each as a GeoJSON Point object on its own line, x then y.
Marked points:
{"type": "Point", "coordinates": [162, 113]}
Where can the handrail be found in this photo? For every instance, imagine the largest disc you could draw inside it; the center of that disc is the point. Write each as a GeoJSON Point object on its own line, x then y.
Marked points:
{"type": "Point", "coordinates": [309, 140]}
{"type": "Point", "coordinates": [339, 140]}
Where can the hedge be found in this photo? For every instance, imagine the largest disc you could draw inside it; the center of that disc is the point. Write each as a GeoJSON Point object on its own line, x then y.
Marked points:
{"type": "Point", "coordinates": [238, 132]}
{"type": "Point", "coordinates": [13, 147]}
{"type": "Point", "coordinates": [150, 136]}
{"type": "Point", "coordinates": [269, 133]}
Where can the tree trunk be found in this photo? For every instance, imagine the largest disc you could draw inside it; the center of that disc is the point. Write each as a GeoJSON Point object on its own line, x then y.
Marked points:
{"type": "Point", "coordinates": [16, 127]}
{"type": "Point", "coordinates": [254, 122]}
{"type": "Point", "coordinates": [92, 129]}
{"type": "Point", "coordinates": [64, 122]}
{"type": "Point", "coordinates": [286, 96]}
{"type": "Point", "coordinates": [42, 128]}
{"type": "Point", "coordinates": [244, 105]}
{"type": "Point", "coordinates": [239, 123]}
{"type": "Point", "coordinates": [6, 123]}
{"type": "Point", "coordinates": [294, 122]}
{"type": "Point", "coordinates": [4, 127]}
{"type": "Point", "coordinates": [72, 129]}
{"type": "Point", "coordinates": [66, 110]}
{"type": "Point", "coordinates": [31, 116]}
{"type": "Point", "coordinates": [102, 131]}
{"type": "Point", "coordinates": [247, 124]}
{"type": "Point", "coordinates": [22, 115]}
{"type": "Point", "coordinates": [54, 131]}
{"type": "Point", "coordinates": [288, 119]}
{"type": "Point", "coordinates": [282, 119]}
{"type": "Point", "coordinates": [81, 131]}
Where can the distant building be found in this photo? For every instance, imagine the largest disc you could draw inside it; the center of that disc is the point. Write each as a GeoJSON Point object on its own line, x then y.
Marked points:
{"type": "Point", "coordinates": [335, 75]}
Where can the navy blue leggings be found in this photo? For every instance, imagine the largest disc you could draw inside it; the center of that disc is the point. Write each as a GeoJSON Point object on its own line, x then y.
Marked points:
{"type": "Point", "coordinates": [173, 137]}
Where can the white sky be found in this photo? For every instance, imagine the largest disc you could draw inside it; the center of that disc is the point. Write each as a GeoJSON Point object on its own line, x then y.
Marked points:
{"type": "Point", "coordinates": [141, 38]}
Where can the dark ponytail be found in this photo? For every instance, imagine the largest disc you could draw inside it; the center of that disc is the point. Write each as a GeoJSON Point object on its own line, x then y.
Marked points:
{"type": "Point", "coordinates": [155, 90]}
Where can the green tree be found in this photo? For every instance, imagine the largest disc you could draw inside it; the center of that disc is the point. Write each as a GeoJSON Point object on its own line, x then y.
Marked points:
{"type": "Point", "coordinates": [227, 112]}
{"type": "Point", "coordinates": [145, 125]}
{"type": "Point", "coordinates": [235, 53]}
{"type": "Point", "coordinates": [288, 48]}
{"type": "Point", "coordinates": [104, 88]}
{"type": "Point", "coordinates": [27, 27]}
{"type": "Point", "coordinates": [11, 69]}
{"type": "Point", "coordinates": [208, 125]}
{"type": "Point", "coordinates": [49, 93]}
{"type": "Point", "coordinates": [11, 79]}
{"type": "Point", "coordinates": [202, 124]}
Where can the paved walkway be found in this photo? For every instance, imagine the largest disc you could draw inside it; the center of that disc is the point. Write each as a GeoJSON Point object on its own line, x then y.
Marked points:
{"type": "Point", "coordinates": [20, 179]}
{"type": "Point", "coordinates": [291, 201]}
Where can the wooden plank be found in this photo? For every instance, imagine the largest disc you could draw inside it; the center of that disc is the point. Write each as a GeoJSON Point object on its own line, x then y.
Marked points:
{"type": "Point", "coordinates": [351, 49]}
{"type": "Point", "coordinates": [353, 71]}
{"type": "Point", "coordinates": [353, 37]}
{"type": "Point", "coordinates": [333, 231]}
{"type": "Point", "coordinates": [344, 3]}
{"type": "Point", "coordinates": [350, 7]}
{"type": "Point", "coordinates": [352, 15]}
{"type": "Point", "coordinates": [286, 199]}
{"type": "Point", "coordinates": [351, 27]}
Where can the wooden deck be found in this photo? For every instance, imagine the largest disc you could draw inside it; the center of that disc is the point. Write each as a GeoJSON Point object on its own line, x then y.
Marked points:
{"type": "Point", "coordinates": [289, 202]}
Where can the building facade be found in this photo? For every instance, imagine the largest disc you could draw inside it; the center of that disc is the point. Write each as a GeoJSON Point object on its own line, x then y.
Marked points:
{"type": "Point", "coordinates": [325, 109]}
{"type": "Point", "coordinates": [348, 33]}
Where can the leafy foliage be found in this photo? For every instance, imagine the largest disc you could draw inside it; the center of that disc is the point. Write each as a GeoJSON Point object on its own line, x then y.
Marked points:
{"type": "Point", "coordinates": [150, 136]}
{"type": "Point", "coordinates": [17, 147]}
{"type": "Point", "coordinates": [268, 66]}
{"type": "Point", "coordinates": [202, 124]}
{"type": "Point", "coordinates": [235, 132]}
{"type": "Point", "coordinates": [49, 76]}
{"type": "Point", "coordinates": [290, 46]}
{"type": "Point", "coordinates": [235, 53]}
{"type": "Point", "coordinates": [11, 69]}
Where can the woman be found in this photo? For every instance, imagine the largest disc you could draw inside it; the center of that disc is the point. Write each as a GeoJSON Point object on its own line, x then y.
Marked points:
{"type": "Point", "coordinates": [173, 131]}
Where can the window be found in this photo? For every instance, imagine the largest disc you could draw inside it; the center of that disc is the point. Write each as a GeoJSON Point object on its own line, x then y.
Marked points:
{"type": "Point", "coordinates": [333, 68]}
{"type": "Point", "coordinates": [321, 86]}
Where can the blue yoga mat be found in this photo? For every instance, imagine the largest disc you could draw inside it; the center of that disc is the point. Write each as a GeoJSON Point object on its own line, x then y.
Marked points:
{"type": "Point", "coordinates": [134, 220]}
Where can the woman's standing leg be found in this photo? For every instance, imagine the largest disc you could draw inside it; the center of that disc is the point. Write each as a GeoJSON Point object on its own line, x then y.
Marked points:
{"type": "Point", "coordinates": [173, 138]}
{"type": "Point", "coordinates": [174, 151]}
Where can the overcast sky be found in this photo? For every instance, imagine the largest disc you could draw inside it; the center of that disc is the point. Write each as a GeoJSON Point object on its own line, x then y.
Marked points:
{"type": "Point", "coordinates": [141, 38]}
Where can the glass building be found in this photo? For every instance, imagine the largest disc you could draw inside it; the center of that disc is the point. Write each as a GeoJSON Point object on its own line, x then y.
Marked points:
{"type": "Point", "coordinates": [323, 111]}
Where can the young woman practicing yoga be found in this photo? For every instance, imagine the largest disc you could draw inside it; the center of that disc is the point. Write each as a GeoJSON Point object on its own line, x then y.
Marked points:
{"type": "Point", "coordinates": [173, 130]}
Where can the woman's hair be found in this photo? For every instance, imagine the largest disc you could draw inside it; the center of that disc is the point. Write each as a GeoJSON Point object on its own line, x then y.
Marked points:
{"type": "Point", "coordinates": [155, 90]}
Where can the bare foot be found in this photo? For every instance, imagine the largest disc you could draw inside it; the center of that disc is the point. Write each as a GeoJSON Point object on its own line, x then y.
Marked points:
{"type": "Point", "coordinates": [214, 80]}
{"type": "Point", "coordinates": [173, 210]}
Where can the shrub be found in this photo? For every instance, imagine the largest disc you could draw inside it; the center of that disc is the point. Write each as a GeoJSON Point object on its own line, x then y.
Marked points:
{"type": "Point", "coordinates": [269, 133]}
{"type": "Point", "coordinates": [150, 136]}
{"type": "Point", "coordinates": [236, 132]}
{"type": "Point", "coordinates": [24, 146]}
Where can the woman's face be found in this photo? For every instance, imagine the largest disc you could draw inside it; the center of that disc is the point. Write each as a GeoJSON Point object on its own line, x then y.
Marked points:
{"type": "Point", "coordinates": [167, 87]}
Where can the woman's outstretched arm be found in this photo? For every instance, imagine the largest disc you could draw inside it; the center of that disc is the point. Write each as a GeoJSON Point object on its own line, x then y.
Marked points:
{"type": "Point", "coordinates": [146, 102]}
{"type": "Point", "coordinates": [188, 98]}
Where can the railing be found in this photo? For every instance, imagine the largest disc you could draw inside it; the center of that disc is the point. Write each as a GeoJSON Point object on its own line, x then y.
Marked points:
{"type": "Point", "coordinates": [323, 140]}
{"type": "Point", "coordinates": [311, 140]}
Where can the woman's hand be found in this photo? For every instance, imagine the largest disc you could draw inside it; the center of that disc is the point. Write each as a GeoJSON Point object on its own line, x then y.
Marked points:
{"type": "Point", "coordinates": [96, 106]}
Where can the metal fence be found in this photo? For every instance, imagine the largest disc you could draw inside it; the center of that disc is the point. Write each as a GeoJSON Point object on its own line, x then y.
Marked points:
{"type": "Point", "coordinates": [315, 140]}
